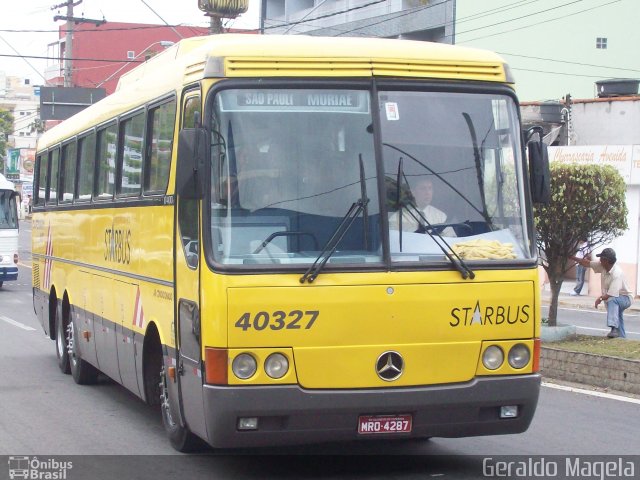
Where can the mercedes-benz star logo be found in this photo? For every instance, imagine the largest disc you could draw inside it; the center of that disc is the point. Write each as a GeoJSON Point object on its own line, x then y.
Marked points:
{"type": "Point", "coordinates": [389, 366]}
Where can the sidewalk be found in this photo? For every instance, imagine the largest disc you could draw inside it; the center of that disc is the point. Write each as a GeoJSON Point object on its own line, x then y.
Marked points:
{"type": "Point", "coordinates": [565, 298]}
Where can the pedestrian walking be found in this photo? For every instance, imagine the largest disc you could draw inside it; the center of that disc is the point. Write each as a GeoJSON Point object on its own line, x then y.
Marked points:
{"type": "Point", "coordinates": [584, 251]}
{"type": "Point", "coordinates": [615, 291]}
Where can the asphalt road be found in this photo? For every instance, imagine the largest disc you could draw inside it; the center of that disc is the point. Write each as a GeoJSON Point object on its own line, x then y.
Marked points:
{"type": "Point", "coordinates": [589, 321]}
{"type": "Point", "coordinates": [44, 414]}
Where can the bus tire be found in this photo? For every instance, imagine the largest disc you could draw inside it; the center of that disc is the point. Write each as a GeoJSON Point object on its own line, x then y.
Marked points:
{"type": "Point", "coordinates": [83, 373]}
{"type": "Point", "coordinates": [180, 437]}
{"type": "Point", "coordinates": [62, 342]}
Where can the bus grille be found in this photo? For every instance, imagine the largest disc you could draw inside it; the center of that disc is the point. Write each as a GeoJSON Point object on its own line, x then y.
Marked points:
{"type": "Point", "coordinates": [36, 274]}
{"type": "Point", "coordinates": [250, 67]}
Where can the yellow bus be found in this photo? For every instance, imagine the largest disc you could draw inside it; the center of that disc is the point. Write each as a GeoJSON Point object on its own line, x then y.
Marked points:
{"type": "Point", "coordinates": [284, 240]}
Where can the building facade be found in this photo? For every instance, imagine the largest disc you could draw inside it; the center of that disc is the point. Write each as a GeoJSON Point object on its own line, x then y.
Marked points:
{"type": "Point", "coordinates": [553, 48]}
{"type": "Point", "coordinates": [102, 54]}
{"type": "Point", "coordinates": [430, 20]}
{"type": "Point", "coordinates": [21, 98]}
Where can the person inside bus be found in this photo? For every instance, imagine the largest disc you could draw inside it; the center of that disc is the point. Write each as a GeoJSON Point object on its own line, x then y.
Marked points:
{"type": "Point", "coordinates": [422, 192]}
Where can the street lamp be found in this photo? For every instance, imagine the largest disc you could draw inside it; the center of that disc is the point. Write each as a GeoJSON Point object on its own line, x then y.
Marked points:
{"type": "Point", "coordinates": [163, 43]}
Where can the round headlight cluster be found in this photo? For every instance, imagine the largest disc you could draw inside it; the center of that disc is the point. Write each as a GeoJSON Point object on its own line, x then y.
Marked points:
{"type": "Point", "coordinates": [518, 357]}
{"type": "Point", "coordinates": [492, 357]}
{"type": "Point", "coordinates": [276, 365]}
{"type": "Point", "coordinates": [245, 366]}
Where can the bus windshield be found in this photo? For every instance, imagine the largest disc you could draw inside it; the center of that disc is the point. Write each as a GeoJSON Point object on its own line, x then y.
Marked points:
{"type": "Point", "coordinates": [453, 168]}
{"type": "Point", "coordinates": [8, 210]}
{"type": "Point", "coordinates": [289, 164]}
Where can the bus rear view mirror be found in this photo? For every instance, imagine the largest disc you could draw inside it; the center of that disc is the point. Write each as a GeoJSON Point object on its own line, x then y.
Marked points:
{"type": "Point", "coordinates": [190, 172]}
{"type": "Point", "coordinates": [539, 174]}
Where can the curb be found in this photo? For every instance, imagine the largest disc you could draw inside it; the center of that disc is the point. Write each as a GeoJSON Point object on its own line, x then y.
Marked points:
{"type": "Point", "coordinates": [611, 373]}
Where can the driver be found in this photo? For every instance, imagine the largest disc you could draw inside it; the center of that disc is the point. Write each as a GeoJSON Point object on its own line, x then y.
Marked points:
{"type": "Point", "coordinates": [423, 194]}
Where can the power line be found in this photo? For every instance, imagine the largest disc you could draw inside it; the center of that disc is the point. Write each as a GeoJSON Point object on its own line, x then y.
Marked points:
{"type": "Point", "coordinates": [283, 24]}
{"type": "Point", "coordinates": [492, 11]}
{"type": "Point", "coordinates": [23, 58]}
{"type": "Point", "coordinates": [565, 73]}
{"type": "Point", "coordinates": [74, 58]}
{"type": "Point", "coordinates": [537, 23]}
{"type": "Point", "coordinates": [102, 29]}
{"type": "Point", "coordinates": [163, 20]}
{"type": "Point", "coordinates": [319, 17]}
{"type": "Point", "coordinates": [568, 62]}
{"type": "Point", "coordinates": [402, 14]}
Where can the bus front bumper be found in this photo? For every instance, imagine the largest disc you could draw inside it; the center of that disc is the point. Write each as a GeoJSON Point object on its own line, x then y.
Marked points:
{"type": "Point", "coordinates": [8, 274]}
{"type": "Point", "coordinates": [292, 415]}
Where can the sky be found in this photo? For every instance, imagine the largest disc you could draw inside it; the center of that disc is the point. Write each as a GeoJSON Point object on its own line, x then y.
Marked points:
{"type": "Point", "coordinates": [20, 18]}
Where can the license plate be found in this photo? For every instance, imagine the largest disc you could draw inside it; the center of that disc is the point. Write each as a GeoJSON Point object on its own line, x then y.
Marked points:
{"type": "Point", "coordinates": [382, 424]}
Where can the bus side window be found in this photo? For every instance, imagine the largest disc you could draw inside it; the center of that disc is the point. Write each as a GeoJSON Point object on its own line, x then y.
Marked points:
{"type": "Point", "coordinates": [67, 172]}
{"type": "Point", "coordinates": [130, 155]}
{"type": "Point", "coordinates": [41, 186]}
{"type": "Point", "coordinates": [52, 184]}
{"type": "Point", "coordinates": [162, 121]}
{"type": "Point", "coordinates": [188, 208]}
{"type": "Point", "coordinates": [106, 178]}
{"type": "Point", "coordinates": [191, 107]}
{"type": "Point", "coordinates": [86, 166]}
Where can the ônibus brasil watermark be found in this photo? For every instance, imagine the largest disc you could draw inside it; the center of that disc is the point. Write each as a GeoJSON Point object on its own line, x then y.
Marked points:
{"type": "Point", "coordinates": [33, 468]}
{"type": "Point", "coordinates": [559, 467]}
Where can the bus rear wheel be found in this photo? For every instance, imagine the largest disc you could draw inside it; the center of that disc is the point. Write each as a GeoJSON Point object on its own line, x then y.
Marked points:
{"type": "Point", "coordinates": [180, 436]}
{"type": "Point", "coordinates": [83, 373]}
{"type": "Point", "coordinates": [62, 343]}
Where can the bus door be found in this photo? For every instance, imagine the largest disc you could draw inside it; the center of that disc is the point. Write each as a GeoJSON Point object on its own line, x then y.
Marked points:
{"type": "Point", "coordinates": [187, 281]}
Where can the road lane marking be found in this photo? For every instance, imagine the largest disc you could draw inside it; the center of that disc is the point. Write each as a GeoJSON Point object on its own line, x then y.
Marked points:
{"type": "Point", "coordinates": [604, 330]}
{"type": "Point", "coordinates": [593, 393]}
{"type": "Point", "coordinates": [24, 265]}
{"type": "Point", "coordinates": [16, 324]}
{"type": "Point", "coordinates": [591, 310]}
{"type": "Point", "coordinates": [592, 328]}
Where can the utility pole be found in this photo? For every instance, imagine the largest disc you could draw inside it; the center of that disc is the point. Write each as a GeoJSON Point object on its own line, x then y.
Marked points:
{"type": "Point", "coordinates": [215, 24]}
{"type": "Point", "coordinates": [68, 39]}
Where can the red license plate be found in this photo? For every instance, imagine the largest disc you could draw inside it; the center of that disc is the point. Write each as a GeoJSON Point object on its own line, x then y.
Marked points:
{"type": "Point", "coordinates": [382, 424]}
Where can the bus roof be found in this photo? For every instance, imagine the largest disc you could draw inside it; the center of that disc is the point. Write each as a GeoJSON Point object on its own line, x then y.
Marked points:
{"type": "Point", "coordinates": [243, 55]}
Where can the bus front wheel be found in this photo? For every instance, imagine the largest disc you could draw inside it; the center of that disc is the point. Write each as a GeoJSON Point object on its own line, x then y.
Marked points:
{"type": "Point", "coordinates": [180, 436]}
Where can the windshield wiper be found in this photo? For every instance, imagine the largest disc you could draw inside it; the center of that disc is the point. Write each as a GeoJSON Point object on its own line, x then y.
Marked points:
{"type": "Point", "coordinates": [331, 246]}
{"type": "Point", "coordinates": [477, 156]}
{"type": "Point", "coordinates": [426, 227]}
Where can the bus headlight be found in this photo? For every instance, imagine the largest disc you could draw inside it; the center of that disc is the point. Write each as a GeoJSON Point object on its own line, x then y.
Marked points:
{"type": "Point", "coordinates": [244, 366]}
{"type": "Point", "coordinates": [519, 356]}
{"type": "Point", "coordinates": [276, 365]}
{"type": "Point", "coordinates": [493, 357]}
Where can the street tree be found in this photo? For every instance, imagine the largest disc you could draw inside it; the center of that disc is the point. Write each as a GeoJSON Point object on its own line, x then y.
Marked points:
{"type": "Point", "coordinates": [587, 201]}
{"type": "Point", "coordinates": [6, 129]}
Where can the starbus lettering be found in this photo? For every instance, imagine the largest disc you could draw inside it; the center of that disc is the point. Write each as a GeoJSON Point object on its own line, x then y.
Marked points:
{"type": "Point", "coordinates": [117, 245]}
{"type": "Point", "coordinates": [489, 315]}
